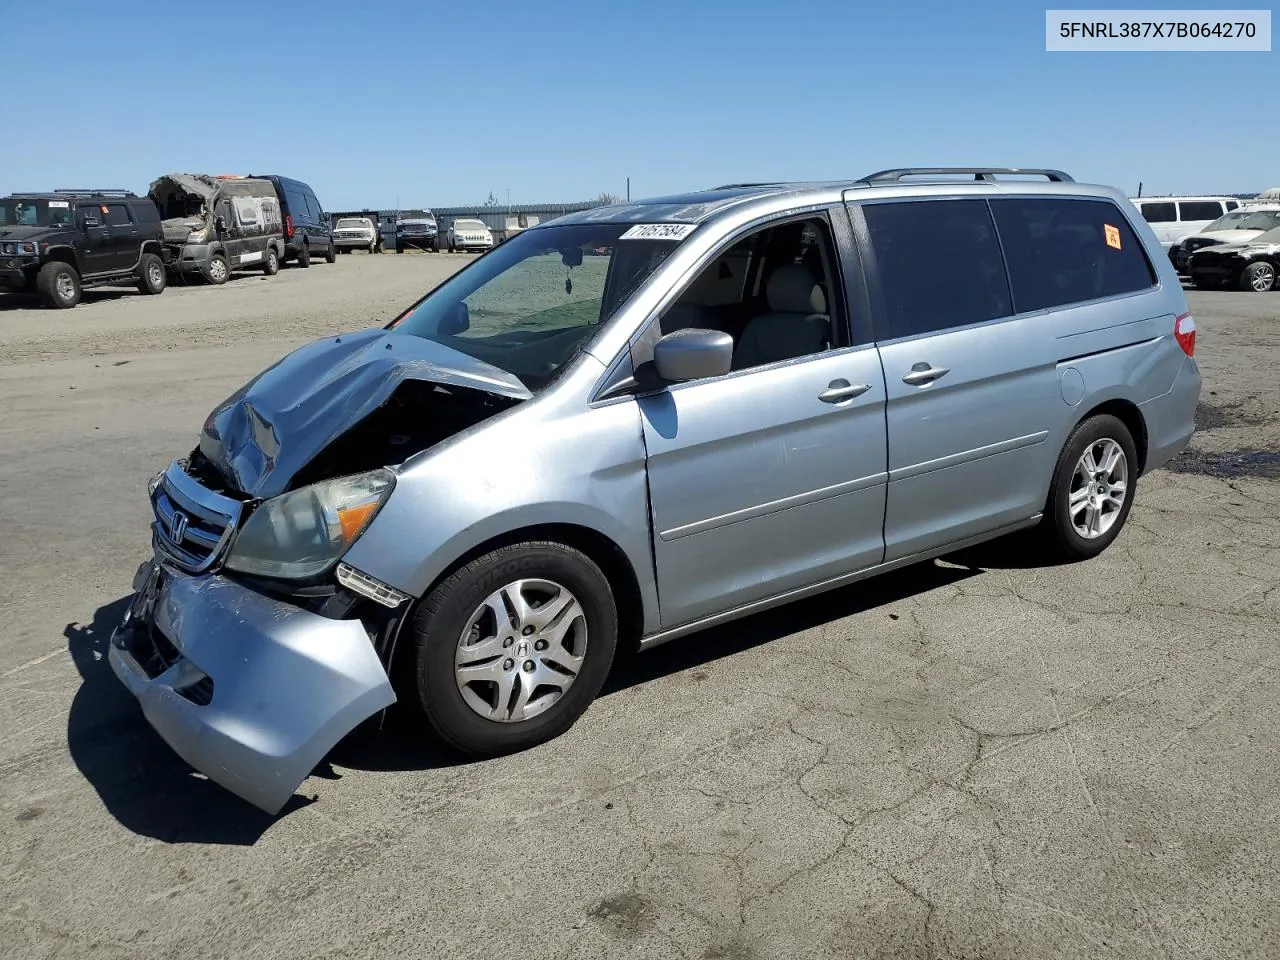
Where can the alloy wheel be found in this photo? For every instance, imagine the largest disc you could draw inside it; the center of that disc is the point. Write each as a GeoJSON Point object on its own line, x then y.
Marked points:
{"type": "Point", "coordinates": [1099, 487]}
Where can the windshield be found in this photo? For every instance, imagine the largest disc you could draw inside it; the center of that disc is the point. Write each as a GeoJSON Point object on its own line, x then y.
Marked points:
{"type": "Point", "coordinates": [348, 223]}
{"type": "Point", "coordinates": [1244, 220]}
{"type": "Point", "coordinates": [531, 304]}
{"type": "Point", "coordinates": [17, 212]}
{"type": "Point", "coordinates": [469, 225]}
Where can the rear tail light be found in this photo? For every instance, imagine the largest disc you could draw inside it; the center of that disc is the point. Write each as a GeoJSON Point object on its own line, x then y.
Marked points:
{"type": "Point", "coordinates": [1184, 331]}
{"type": "Point", "coordinates": [288, 227]}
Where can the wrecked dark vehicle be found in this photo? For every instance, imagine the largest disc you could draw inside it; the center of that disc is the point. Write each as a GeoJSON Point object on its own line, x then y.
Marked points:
{"type": "Point", "coordinates": [623, 426]}
{"type": "Point", "coordinates": [214, 226]}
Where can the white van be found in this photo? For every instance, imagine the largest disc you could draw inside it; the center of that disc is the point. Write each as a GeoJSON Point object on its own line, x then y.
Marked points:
{"type": "Point", "coordinates": [1173, 218]}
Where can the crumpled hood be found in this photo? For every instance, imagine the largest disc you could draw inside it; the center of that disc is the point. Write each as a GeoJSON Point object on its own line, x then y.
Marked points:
{"type": "Point", "coordinates": [179, 228]}
{"type": "Point", "coordinates": [269, 429]}
{"type": "Point", "coordinates": [30, 233]}
{"type": "Point", "coordinates": [1229, 236]}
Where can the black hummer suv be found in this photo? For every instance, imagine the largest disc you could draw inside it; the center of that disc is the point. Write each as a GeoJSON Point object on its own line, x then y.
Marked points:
{"type": "Point", "coordinates": [56, 243]}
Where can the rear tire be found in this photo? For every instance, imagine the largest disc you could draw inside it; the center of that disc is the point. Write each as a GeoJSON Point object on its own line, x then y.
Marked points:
{"type": "Point", "coordinates": [332, 254]}
{"type": "Point", "coordinates": [531, 654]}
{"type": "Point", "coordinates": [58, 285]}
{"type": "Point", "coordinates": [1082, 516]}
{"type": "Point", "coordinates": [271, 262]}
{"type": "Point", "coordinates": [151, 275]}
{"type": "Point", "coordinates": [304, 258]}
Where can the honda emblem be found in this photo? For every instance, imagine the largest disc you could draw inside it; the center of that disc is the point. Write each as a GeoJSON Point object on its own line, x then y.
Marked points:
{"type": "Point", "coordinates": [178, 526]}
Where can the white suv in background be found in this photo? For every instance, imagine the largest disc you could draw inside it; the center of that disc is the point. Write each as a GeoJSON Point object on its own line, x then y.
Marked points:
{"type": "Point", "coordinates": [1173, 218]}
{"type": "Point", "coordinates": [469, 234]}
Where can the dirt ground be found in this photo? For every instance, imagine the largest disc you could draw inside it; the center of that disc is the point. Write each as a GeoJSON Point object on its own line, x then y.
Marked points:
{"type": "Point", "coordinates": [974, 758]}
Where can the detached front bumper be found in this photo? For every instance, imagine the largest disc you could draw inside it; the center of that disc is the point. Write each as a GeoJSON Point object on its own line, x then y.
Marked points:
{"type": "Point", "coordinates": [251, 691]}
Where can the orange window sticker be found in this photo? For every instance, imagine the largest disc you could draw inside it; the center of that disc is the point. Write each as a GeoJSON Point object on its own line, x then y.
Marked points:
{"type": "Point", "coordinates": [1113, 235]}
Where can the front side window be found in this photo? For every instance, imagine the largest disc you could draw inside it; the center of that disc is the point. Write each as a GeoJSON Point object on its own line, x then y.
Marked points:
{"type": "Point", "coordinates": [1064, 251]}
{"type": "Point", "coordinates": [939, 265]}
{"type": "Point", "coordinates": [774, 291]}
{"type": "Point", "coordinates": [529, 306]}
{"type": "Point", "coordinates": [1164, 212]}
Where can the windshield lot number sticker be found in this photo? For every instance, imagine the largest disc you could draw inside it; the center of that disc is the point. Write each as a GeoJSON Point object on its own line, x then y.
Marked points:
{"type": "Point", "coordinates": [59, 204]}
{"type": "Point", "coordinates": [659, 231]}
{"type": "Point", "coordinates": [1113, 235]}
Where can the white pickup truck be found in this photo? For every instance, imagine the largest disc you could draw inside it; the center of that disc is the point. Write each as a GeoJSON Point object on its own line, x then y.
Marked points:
{"type": "Point", "coordinates": [355, 233]}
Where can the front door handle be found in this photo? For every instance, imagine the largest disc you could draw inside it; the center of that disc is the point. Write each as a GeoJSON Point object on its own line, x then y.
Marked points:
{"type": "Point", "coordinates": [924, 373]}
{"type": "Point", "coordinates": [839, 390]}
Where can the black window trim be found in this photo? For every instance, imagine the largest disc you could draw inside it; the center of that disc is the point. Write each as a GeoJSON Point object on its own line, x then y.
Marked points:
{"type": "Point", "coordinates": [875, 290]}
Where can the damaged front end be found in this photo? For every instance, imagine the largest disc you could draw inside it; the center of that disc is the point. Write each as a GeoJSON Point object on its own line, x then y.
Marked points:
{"type": "Point", "coordinates": [251, 647]}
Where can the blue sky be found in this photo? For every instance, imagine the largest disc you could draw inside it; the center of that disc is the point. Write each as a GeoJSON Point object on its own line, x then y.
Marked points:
{"type": "Point", "coordinates": [439, 103]}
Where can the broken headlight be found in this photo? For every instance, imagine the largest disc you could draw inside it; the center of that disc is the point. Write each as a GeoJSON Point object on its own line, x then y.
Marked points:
{"type": "Point", "coordinates": [300, 534]}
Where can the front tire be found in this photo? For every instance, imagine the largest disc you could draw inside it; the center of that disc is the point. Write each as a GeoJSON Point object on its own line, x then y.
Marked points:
{"type": "Point", "coordinates": [151, 275]}
{"type": "Point", "coordinates": [1258, 277]}
{"type": "Point", "coordinates": [1092, 491]}
{"type": "Point", "coordinates": [218, 270]}
{"type": "Point", "coordinates": [510, 650]}
{"type": "Point", "coordinates": [58, 285]}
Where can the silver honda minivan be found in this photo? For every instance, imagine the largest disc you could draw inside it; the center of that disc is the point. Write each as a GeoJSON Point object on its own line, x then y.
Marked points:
{"type": "Point", "coordinates": [633, 422]}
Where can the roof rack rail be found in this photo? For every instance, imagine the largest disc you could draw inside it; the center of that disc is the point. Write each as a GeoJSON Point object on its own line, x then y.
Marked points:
{"type": "Point", "coordinates": [739, 186]}
{"type": "Point", "coordinates": [96, 191]}
{"type": "Point", "coordinates": [979, 173]}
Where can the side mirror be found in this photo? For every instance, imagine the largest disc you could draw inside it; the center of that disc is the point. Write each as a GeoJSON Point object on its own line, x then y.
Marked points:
{"type": "Point", "coordinates": [693, 354]}
{"type": "Point", "coordinates": [92, 222]}
{"type": "Point", "coordinates": [221, 225]}
{"type": "Point", "coordinates": [459, 321]}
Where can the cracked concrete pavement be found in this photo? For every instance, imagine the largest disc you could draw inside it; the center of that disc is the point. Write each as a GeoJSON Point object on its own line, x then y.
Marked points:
{"type": "Point", "coordinates": [974, 758]}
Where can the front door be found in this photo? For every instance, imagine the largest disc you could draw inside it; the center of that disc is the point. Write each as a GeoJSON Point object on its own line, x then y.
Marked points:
{"type": "Point", "coordinates": [772, 477]}
{"type": "Point", "coordinates": [96, 253]}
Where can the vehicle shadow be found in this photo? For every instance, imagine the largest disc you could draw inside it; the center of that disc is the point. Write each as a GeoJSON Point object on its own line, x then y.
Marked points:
{"type": "Point", "coordinates": [152, 792]}
{"type": "Point", "coordinates": [141, 782]}
{"type": "Point", "coordinates": [31, 301]}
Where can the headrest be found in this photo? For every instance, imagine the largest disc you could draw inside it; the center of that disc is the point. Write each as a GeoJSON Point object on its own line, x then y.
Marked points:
{"type": "Point", "coordinates": [791, 290]}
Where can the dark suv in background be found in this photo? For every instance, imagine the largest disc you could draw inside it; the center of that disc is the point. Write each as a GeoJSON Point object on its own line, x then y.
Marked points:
{"type": "Point", "coordinates": [57, 243]}
{"type": "Point", "coordinates": [308, 231]}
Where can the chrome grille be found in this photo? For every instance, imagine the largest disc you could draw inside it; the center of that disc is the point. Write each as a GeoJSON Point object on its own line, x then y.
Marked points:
{"type": "Point", "coordinates": [193, 524]}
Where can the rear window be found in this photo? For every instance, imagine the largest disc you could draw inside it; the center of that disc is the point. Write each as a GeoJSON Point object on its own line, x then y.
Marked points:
{"type": "Point", "coordinates": [924, 291]}
{"type": "Point", "coordinates": [1159, 212]}
{"type": "Point", "coordinates": [1200, 209]}
{"type": "Point", "coordinates": [1068, 251]}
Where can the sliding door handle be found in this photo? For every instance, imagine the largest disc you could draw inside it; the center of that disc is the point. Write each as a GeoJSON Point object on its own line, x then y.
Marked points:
{"type": "Point", "coordinates": [924, 373]}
